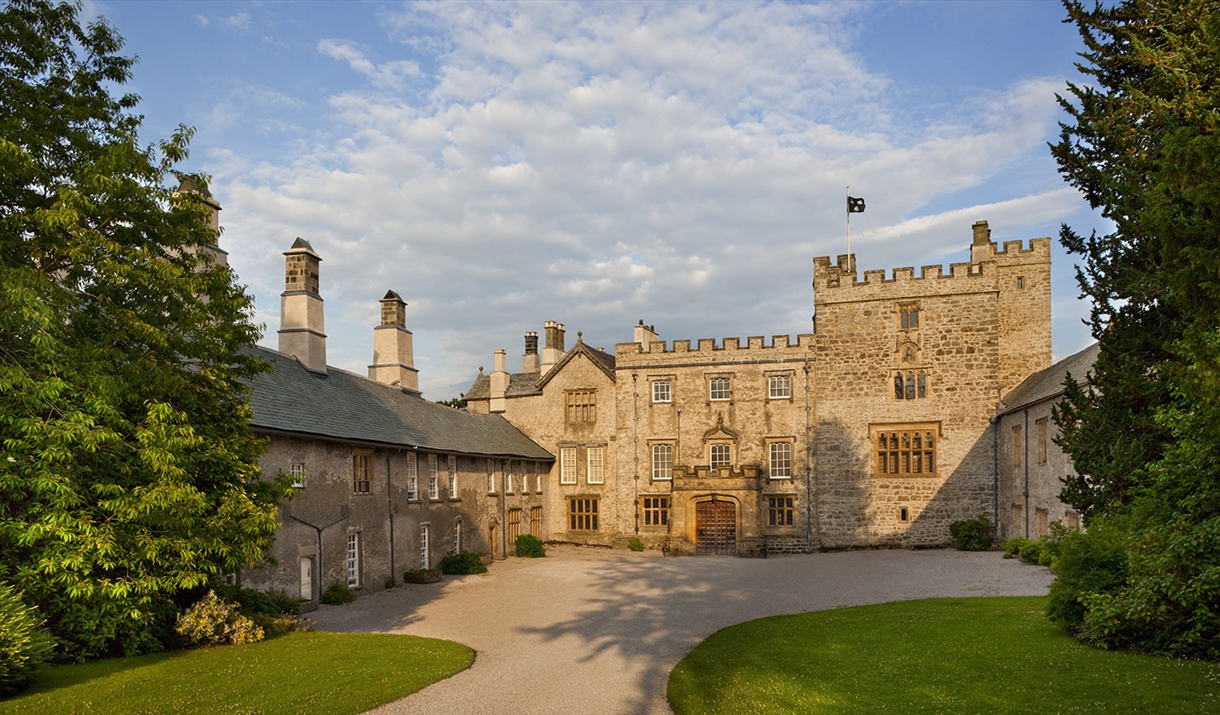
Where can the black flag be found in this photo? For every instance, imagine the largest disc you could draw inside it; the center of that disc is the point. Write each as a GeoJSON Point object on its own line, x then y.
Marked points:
{"type": "Point", "coordinates": [854, 205]}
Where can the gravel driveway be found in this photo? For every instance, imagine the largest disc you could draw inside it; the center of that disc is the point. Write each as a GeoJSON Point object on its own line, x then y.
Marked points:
{"type": "Point", "coordinates": [597, 631]}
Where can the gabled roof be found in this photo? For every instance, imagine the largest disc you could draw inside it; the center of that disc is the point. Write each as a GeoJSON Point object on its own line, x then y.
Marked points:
{"type": "Point", "coordinates": [345, 406]}
{"type": "Point", "coordinates": [519, 383]}
{"type": "Point", "coordinates": [600, 358]}
{"type": "Point", "coordinates": [531, 383]}
{"type": "Point", "coordinates": [1048, 384]}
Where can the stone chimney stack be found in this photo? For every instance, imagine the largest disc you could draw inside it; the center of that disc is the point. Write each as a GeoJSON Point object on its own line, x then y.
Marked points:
{"type": "Point", "coordinates": [190, 186]}
{"type": "Point", "coordinates": [301, 308]}
{"type": "Point", "coordinates": [982, 249]}
{"type": "Point", "coordinates": [645, 335]}
{"type": "Point", "coordinates": [393, 353]}
{"type": "Point", "coordinates": [499, 383]}
{"type": "Point", "coordinates": [530, 362]}
{"type": "Point", "coordinates": [552, 351]}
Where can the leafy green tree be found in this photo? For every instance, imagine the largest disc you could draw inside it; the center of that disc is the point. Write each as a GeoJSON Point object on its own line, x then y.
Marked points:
{"type": "Point", "coordinates": [1143, 147]}
{"type": "Point", "coordinates": [129, 470]}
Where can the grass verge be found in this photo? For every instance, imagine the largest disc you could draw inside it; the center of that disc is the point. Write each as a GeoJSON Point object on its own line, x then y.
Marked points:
{"type": "Point", "coordinates": [303, 672]}
{"type": "Point", "coordinates": [969, 655]}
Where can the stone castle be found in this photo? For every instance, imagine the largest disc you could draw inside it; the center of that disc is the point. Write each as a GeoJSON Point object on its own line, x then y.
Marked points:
{"type": "Point", "coordinates": [876, 429]}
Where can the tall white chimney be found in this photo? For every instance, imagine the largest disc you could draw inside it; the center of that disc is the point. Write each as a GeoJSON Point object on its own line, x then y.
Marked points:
{"type": "Point", "coordinates": [301, 329]}
{"type": "Point", "coordinates": [393, 354]}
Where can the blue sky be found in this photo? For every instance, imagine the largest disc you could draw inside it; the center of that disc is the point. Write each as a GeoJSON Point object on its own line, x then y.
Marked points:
{"type": "Point", "coordinates": [501, 164]}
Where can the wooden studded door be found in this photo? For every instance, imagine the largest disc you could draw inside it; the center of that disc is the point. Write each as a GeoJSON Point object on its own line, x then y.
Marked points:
{"type": "Point", "coordinates": [716, 528]}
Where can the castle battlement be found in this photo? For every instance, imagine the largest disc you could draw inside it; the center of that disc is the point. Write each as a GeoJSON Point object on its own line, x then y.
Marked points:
{"type": "Point", "coordinates": [708, 347]}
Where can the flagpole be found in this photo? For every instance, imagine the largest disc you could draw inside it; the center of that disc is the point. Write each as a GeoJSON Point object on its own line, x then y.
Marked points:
{"type": "Point", "coordinates": [846, 203]}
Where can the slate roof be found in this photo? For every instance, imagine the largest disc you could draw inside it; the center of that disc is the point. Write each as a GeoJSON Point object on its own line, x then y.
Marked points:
{"type": "Point", "coordinates": [1048, 383]}
{"type": "Point", "coordinates": [531, 383]}
{"type": "Point", "coordinates": [519, 383]}
{"type": "Point", "coordinates": [345, 406]}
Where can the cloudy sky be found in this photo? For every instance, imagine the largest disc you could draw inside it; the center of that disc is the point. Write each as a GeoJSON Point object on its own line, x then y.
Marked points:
{"type": "Point", "coordinates": [499, 164]}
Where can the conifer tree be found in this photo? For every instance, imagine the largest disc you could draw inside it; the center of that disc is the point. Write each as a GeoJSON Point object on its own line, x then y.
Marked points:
{"type": "Point", "coordinates": [128, 469]}
{"type": "Point", "coordinates": [1143, 146]}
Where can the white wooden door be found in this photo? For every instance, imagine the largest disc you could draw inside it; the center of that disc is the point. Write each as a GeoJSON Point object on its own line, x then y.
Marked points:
{"type": "Point", "coordinates": [307, 578]}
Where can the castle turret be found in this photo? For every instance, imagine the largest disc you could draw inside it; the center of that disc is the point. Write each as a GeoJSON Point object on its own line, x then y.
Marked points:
{"type": "Point", "coordinates": [301, 328]}
{"type": "Point", "coordinates": [393, 352]}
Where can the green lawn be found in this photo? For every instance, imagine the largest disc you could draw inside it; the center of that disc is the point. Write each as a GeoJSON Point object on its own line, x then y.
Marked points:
{"type": "Point", "coordinates": [966, 655]}
{"type": "Point", "coordinates": [304, 672]}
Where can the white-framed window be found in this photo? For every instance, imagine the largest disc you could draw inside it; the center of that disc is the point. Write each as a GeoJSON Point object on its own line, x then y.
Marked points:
{"type": "Point", "coordinates": [508, 477]}
{"type": "Point", "coordinates": [720, 388]}
{"type": "Point", "coordinates": [597, 465]}
{"type": "Point", "coordinates": [662, 462]}
{"type": "Point", "coordinates": [353, 559]}
{"type": "Point", "coordinates": [457, 535]}
{"type": "Point", "coordinates": [434, 482]}
{"type": "Point", "coordinates": [491, 476]}
{"type": "Point", "coordinates": [298, 475]}
{"type": "Point", "coordinates": [779, 387]}
{"type": "Point", "coordinates": [425, 562]}
{"type": "Point", "coordinates": [662, 391]}
{"type": "Point", "coordinates": [781, 460]}
{"type": "Point", "coordinates": [719, 455]}
{"type": "Point", "coordinates": [453, 492]}
{"type": "Point", "coordinates": [412, 476]}
{"type": "Point", "coordinates": [567, 465]}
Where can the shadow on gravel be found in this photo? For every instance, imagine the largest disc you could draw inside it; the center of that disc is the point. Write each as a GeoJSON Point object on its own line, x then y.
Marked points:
{"type": "Point", "coordinates": [655, 611]}
{"type": "Point", "coordinates": [384, 611]}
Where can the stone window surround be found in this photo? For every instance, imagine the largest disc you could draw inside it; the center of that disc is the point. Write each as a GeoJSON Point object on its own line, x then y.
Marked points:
{"type": "Point", "coordinates": [784, 380]}
{"type": "Point", "coordinates": [583, 513]}
{"type": "Point", "coordinates": [580, 406]}
{"type": "Point", "coordinates": [661, 389]}
{"type": "Point", "coordinates": [652, 452]}
{"type": "Point", "coordinates": [655, 510]}
{"type": "Point", "coordinates": [907, 315]}
{"type": "Point", "coordinates": [913, 381]}
{"type": "Point", "coordinates": [781, 510]}
{"type": "Point", "coordinates": [791, 442]}
{"type": "Point", "coordinates": [934, 428]}
{"type": "Point", "coordinates": [717, 457]}
{"type": "Point", "coordinates": [719, 386]}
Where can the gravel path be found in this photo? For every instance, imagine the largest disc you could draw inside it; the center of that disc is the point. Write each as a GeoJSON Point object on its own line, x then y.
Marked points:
{"type": "Point", "coordinates": [597, 631]}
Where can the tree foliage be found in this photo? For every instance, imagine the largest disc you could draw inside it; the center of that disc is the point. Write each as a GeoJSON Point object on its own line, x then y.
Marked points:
{"type": "Point", "coordinates": [129, 469]}
{"type": "Point", "coordinates": [1143, 147]}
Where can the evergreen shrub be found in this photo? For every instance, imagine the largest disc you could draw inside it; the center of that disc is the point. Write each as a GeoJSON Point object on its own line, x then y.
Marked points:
{"type": "Point", "coordinates": [530, 547]}
{"type": "Point", "coordinates": [462, 564]}
{"type": "Point", "coordinates": [972, 534]}
{"type": "Point", "coordinates": [337, 594]}
{"type": "Point", "coordinates": [635, 544]}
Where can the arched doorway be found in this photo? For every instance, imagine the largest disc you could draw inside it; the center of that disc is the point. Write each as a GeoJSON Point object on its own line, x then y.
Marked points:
{"type": "Point", "coordinates": [716, 527]}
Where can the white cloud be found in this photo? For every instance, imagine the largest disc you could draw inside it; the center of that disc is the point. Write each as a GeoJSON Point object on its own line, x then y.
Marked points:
{"type": "Point", "coordinates": [386, 74]}
{"type": "Point", "coordinates": [238, 21]}
{"type": "Point", "coordinates": [601, 164]}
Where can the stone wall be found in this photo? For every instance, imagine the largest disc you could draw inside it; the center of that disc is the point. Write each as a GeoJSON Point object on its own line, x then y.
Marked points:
{"type": "Point", "coordinates": [329, 499]}
{"type": "Point", "coordinates": [1030, 477]}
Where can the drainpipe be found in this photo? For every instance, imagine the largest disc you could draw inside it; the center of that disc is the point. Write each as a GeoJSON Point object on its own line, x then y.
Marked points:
{"type": "Point", "coordinates": [389, 503]}
{"type": "Point", "coordinates": [319, 529]}
{"type": "Point", "coordinates": [503, 508]}
{"type": "Point", "coordinates": [635, 444]}
{"type": "Point", "coordinates": [1025, 465]}
{"type": "Point", "coordinates": [995, 477]}
{"type": "Point", "coordinates": [808, 465]}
